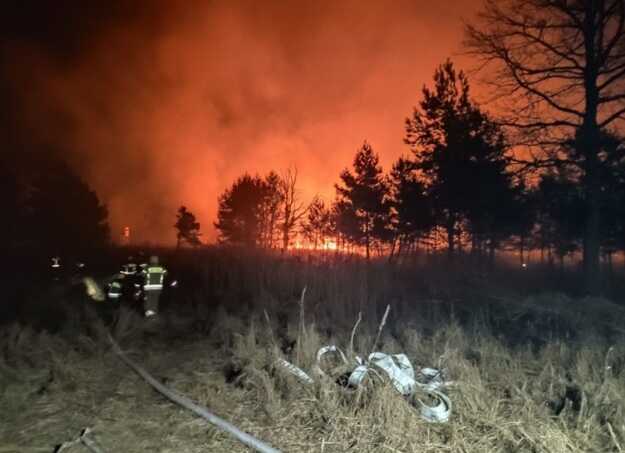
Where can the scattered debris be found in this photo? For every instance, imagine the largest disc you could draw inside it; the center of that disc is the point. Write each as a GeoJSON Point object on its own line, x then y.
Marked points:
{"type": "Point", "coordinates": [400, 372]}
{"type": "Point", "coordinates": [397, 368]}
{"type": "Point", "coordinates": [295, 371]}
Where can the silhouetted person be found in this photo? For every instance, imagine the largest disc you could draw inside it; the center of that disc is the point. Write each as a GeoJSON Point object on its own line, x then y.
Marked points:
{"type": "Point", "coordinates": [130, 268]}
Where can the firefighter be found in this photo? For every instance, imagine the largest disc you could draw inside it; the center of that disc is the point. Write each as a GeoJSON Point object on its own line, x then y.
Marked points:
{"type": "Point", "coordinates": [131, 284]}
{"type": "Point", "coordinates": [153, 278]}
{"type": "Point", "coordinates": [55, 262]}
{"type": "Point", "coordinates": [116, 288]}
{"type": "Point", "coordinates": [130, 268]}
{"type": "Point", "coordinates": [55, 267]}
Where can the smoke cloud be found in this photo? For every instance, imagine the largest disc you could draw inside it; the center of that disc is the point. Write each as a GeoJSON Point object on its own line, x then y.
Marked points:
{"type": "Point", "coordinates": [161, 103]}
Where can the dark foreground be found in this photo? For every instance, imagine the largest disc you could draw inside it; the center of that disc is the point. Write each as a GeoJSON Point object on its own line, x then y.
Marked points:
{"type": "Point", "coordinates": [541, 373]}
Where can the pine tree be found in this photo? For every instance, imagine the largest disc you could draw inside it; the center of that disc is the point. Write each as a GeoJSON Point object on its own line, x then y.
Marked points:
{"type": "Point", "coordinates": [317, 226]}
{"type": "Point", "coordinates": [362, 201]}
{"type": "Point", "coordinates": [75, 219]}
{"type": "Point", "coordinates": [244, 215]}
{"type": "Point", "coordinates": [461, 154]}
{"type": "Point", "coordinates": [188, 229]}
{"type": "Point", "coordinates": [412, 215]}
{"type": "Point", "coordinates": [557, 67]}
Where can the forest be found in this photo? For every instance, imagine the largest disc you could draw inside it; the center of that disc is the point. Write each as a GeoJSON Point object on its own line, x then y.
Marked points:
{"type": "Point", "coordinates": [466, 297]}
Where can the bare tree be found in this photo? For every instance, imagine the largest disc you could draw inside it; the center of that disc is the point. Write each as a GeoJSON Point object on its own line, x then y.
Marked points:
{"type": "Point", "coordinates": [558, 70]}
{"type": "Point", "coordinates": [271, 209]}
{"type": "Point", "coordinates": [293, 209]}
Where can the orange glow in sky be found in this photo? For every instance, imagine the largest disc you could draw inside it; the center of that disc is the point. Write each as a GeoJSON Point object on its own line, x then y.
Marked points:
{"type": "Point", "coordinates": [168, 109]}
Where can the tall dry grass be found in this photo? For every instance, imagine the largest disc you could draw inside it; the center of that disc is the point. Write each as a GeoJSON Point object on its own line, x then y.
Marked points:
{"type": "Point", "coordinates": [539, 373]}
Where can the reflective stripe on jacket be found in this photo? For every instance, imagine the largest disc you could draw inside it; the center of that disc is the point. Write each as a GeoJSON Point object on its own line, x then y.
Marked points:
{"type": "Point", "coordinates": [115, 289]}
{"type": "Point", "coordinates": [129, 269]}
{"type": "Point", "coordinates": [154, 277]}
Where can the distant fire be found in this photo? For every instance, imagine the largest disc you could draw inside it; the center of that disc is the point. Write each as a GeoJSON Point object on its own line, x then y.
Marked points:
{"type": "Point", "coordinates": [323, 245]}
{"type": "Point", "coordinates": [125, 235]}
{"type": "Point", "coordinates": [330, 244]}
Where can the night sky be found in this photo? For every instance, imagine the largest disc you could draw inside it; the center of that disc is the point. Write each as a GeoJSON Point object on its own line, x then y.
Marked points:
{"type": "Point", "coordinates": [163, 103]}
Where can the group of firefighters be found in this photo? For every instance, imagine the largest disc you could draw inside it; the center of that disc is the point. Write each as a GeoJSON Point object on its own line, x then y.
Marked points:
{"type": "Point", "coordinates": [134, 283]}
{"type": "Point", "coordinates": [140, 283]}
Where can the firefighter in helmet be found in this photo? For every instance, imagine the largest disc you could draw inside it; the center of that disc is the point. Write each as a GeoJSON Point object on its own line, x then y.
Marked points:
{"type": "Point", "coordinates": [153, 278]}
{"type": "Point", "coordinates": [130, 268]}
{"type": "Point", "coordinates": [56, 268]}
{"type": "Point", "coordinates": [116, 288]}
{"type": "Point", "coordinates": [132, 279]}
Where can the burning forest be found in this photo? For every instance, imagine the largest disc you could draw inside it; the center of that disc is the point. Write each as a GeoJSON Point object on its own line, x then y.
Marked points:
{"type": "Point", "coordinates": [330, 227]}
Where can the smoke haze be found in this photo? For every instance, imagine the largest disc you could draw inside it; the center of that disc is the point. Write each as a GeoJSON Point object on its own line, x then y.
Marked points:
{"type": "Point", "coordinates": [161, 103]}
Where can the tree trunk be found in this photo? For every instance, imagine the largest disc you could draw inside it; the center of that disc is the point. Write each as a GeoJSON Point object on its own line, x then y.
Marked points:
{"type": "Point", "coordinates": [588, 141]}
{"type": "Point", "coordinates": [550, 257]}
{"type": "Point", "coordinates": [367, 239]}
{"type": "Point", "coordinates": [451, 238]}
{"type": "Point", "coordinates": [285, 238]}
{"type": "Point", "coordinates": [591, 241]}
{"type": "Point", "coordinates": [392, 251]}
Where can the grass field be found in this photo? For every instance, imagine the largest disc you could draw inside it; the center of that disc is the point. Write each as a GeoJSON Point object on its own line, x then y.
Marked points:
{"type": "Point", "coordinates": [532, 371]}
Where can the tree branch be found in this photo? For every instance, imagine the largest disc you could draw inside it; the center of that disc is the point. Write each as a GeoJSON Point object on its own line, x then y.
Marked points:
{"type": "Point", "coordinates": [616, 115]}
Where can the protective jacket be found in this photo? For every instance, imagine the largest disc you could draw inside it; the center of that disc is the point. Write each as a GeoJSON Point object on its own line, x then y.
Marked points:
{"type": "Point", "coordinates": [154, 276]}
{"type": "Point", "coordinates": [129, 269]}
{"type": "Point", "coordinates": [115, 289]}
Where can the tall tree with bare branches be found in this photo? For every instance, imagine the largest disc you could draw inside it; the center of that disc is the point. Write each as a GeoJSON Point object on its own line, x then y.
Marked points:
{"type": "Point", "coordinates": [272, 210]}
{"type": "Point", "coordinates": [293, 209]}
{"type": "Point", "coordinates": [558, 70]}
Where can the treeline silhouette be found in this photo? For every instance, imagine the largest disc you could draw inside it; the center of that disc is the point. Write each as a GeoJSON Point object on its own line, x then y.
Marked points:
{"type": "Point", "coordinates": [461, 188]}
{"type": "Point", "coordinates": [48, 209]}
{"type": "Point", "coordinates": [556, 70]}
{"type": "Point", "coordinates": [544, 172]}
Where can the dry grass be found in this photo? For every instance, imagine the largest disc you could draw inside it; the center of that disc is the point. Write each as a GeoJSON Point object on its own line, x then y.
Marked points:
{"type": "Point", "coordinates": [558, 387]}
